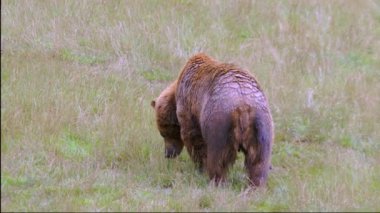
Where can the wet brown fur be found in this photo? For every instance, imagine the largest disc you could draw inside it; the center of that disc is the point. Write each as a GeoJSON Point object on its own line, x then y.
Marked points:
{"type": "Point", "coordinates": [220, 109]}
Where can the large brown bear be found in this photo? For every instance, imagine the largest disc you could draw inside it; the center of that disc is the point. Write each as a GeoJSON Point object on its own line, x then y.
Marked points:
{"type": "Point", "coordinates": [215, 110]}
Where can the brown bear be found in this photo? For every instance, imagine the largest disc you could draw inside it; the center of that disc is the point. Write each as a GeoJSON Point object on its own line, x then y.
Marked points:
{"type": "Point", "coordinates": [216, 109]}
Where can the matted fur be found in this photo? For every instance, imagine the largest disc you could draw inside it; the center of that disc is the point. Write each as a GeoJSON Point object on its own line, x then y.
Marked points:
{"type": "Point", "coordinates": [216, 109]}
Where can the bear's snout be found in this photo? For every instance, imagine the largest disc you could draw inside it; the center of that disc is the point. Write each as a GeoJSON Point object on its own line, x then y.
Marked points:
{"type": "Point", "coordinates": [171, 152]}
{"type": "Point", "coordinates": [172, 147]}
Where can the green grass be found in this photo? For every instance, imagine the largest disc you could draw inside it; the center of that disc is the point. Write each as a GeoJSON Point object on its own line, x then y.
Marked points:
{"type": "Point", "coordinates": [77, 78]}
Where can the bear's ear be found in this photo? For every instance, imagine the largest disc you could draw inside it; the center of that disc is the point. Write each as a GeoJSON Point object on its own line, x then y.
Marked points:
{"type": "Point", "coordinates": [153, 103]}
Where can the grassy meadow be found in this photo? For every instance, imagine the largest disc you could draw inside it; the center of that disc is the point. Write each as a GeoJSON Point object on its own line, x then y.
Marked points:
{"type": "Point", "coordinates": [77, 78]}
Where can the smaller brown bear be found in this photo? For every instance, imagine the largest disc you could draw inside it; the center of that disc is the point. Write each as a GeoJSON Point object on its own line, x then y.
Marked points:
{"type": "Point", "coordinates": [216, 109]}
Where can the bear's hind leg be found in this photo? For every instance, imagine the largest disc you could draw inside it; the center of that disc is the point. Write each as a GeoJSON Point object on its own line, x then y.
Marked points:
{"type": "Point", "coordinates": [256, 167]}
{"type": "Point", "coordinates": [221, 153]}
{"type": "Point", "coordinates": [218, 163]}
{"type": "Point", "coordinates": [258, 153]}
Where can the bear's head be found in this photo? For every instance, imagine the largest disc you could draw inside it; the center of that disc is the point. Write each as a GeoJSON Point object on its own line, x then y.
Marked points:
{"type": "Point", "coordinates": [167, 122]}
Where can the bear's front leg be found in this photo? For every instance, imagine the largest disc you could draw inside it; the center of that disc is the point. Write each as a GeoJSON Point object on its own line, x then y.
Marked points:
{"type": "Point", "coordinates": [195, 145]}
